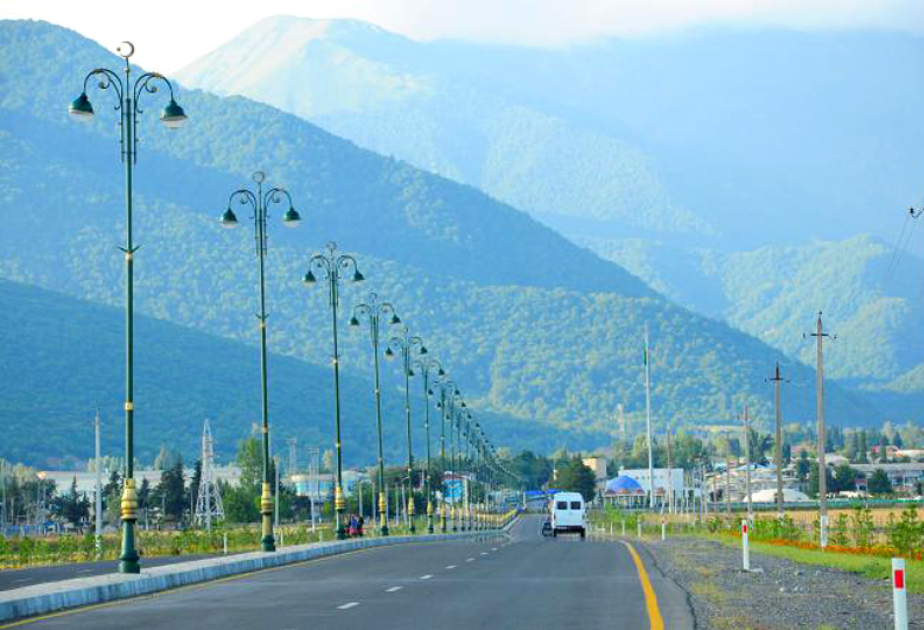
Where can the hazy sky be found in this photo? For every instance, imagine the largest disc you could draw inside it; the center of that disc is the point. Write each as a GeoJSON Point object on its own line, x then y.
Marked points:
{"type": "Point", "coordinates": [168, 40]}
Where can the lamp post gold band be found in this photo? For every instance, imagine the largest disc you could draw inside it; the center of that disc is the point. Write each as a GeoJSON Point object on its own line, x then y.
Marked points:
{"type": "Point", "coordinates": [129, 501]}
{"type": "Point", "coordinates": [266, 499]}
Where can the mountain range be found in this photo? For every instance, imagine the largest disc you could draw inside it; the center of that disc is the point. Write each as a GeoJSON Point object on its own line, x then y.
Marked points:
{"type": "Point", "coordinates": [726, 138]}
{"type": "Point", "coordinates": [699, 161]}
{"type": "Point", "coordinates": [538, 331]}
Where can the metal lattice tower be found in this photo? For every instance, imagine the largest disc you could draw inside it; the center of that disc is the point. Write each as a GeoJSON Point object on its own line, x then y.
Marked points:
{"type": "Point", "coordinates": [208, 503]}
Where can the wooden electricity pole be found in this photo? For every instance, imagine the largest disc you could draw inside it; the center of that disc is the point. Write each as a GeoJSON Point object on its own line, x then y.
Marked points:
{"type": "Point", "coordinates": [670, 476]}
{"type": "Point", "coordinates": [819, 335]}
{"type": "Point", "coordinates": [727, 473]}
{"type": "Point", "coordinates": [777, 380]}
{"type": "Point", "coordinates": [747, 463]}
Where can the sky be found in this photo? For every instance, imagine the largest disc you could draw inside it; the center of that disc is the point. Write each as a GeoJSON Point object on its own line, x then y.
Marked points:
{"type": "Point", "coordinates": [169, 40]}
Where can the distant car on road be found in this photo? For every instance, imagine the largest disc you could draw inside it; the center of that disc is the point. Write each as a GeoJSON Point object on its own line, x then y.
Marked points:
{"type": "Point", "coordinates": [567, 513]}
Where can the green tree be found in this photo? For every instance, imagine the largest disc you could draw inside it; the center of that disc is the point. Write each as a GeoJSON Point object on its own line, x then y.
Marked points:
{"type": "Point", "coordinates": [73, 506]}
{"type": "Point", "coordinates": [803, 467]}
{"type": "Point", "coordinates": [576, 477]}
{"type": "Point", "coordinates": [830, 484]}
{"type": "Point", "coordinates": [845, 479]}
{"type": "Point", "coordinates": [759, 445]}
{"type": "Point", "coordinates": [250, 460]}
{"type": "Point", "coordinates": [195, 482]}
{"type": "Point", "coordinates": [863, 449]}
{"type": "Point", "coordinates": [879, 483]}
{"type": "Point", "coordinates": [172, 491]}
{"type": "Point", "coordinates": [853, 446]}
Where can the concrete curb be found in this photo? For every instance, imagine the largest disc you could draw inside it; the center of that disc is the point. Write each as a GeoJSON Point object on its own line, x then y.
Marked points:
{"type": "Point", "coordinates": [53, 596]}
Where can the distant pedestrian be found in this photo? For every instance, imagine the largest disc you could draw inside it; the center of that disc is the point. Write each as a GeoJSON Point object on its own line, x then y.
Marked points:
{"type": "Point", "coordinates": [354, 526]}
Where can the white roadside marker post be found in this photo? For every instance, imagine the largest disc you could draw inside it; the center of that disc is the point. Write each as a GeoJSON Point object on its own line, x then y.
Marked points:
{"type": "Point", "coordinates": [226, 543]}
{"type": "Point", "coordinates": [639, 522]}
{"type": "Point", "coordinates": [823, 534]}
{"type": "Point", "coordinates": [611, 529]}
{"type": "Point", "coordinates": [899, 594]}
{"type": "Point", "coordinates": [745, 551]}
{"type": "Point", "coordinates": [663, 528]}
{"type": "Point", "coordinates": [623, 528]}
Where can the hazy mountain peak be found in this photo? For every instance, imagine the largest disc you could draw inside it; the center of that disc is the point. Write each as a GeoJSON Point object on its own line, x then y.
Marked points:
{"type": "Point", "coordinates": [306, 66]}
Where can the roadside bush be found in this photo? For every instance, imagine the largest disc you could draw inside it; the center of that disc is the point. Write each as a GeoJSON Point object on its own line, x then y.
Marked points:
{"type": "Point", "coordinates": [839, 531]}
{"type": "Point", "coordinates": [907, 534]}
{"type": "Point", "coordinates": [862, 527]}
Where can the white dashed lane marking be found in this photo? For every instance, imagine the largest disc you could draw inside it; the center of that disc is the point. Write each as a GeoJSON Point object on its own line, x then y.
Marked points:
{"type": "Point", "coordinates": [348, 606]}
{"type": "Point", "coordinates": [451, 566]}
{"type": "Point", "coordinates": [393, 589]}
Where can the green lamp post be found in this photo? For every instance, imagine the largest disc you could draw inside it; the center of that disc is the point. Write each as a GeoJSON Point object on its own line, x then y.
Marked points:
{"type": "Point", "coordinates": [469, 463]}
{"type": "Point", "coordinates": [448, 392]}
{"type": "Point", "coordinates": [407, 345]}
{"type": "Point", "coordinates": [259, 203]}
{"type": "Point", "coordinates": [373, 312]}
{"type": "Point", "coordinates": [423, 367]}
{"type": "Point", "coordinates": [332, 267]}
{"type": "Point", "coordinates": [128, 93]}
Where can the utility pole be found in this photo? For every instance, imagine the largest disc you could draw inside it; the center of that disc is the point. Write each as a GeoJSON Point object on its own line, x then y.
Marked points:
{"type": "Point", "coordinates": [778, 456]}
{"type": "Point", "coordinates": [747, 463]}
{"type": "Point", "coordinates": [727, 474]}
{"type": "Point", "coordinates": [314, 481]}
{"type": "Point", "coordinates": [292, 467]}
{"type": "Point", "coordinates": [623, 446]}
{"type": "Point", "coordinates": [819, 335]}
{"type": "Point", "coordinates": [99, 487]}
{"type": "Point", "coordinates": [670, 474]}
{"type": "Point", "coordinates": [648, 422]}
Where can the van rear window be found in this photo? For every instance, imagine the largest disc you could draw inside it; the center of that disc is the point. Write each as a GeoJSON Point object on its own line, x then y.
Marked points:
{"type": "Point", "coordinates": [575, 505]}
{"type": "Point", "coordinates": [561, 505]}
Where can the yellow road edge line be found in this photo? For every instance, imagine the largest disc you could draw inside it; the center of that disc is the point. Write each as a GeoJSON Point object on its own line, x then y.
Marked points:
{"type": "Point", "coordinates": [170, 591]}
{"type": "Point", "coordinates": [651, 600]}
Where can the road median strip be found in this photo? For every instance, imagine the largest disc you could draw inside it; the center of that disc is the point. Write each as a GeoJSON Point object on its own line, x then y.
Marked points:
{"type": "Point", "coordinates": [40, 599]}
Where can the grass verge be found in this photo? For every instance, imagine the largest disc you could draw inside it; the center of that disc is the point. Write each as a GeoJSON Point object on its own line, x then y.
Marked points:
{"type": "Point", "coordinates": [872, 567]}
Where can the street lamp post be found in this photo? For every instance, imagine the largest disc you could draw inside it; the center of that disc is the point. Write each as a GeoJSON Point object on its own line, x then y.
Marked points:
{"type": "Point", "coordinates": [259, 202]}
{"type": "Point", "coordinates": [330, 266]}
{"type": "Point", "coordinates": [406, 345]}
{"type": "Point", "coordinates": [454, 421]}
{"type": "Point", "coordinates": [423, 366]}
{"type": "Point", "coordinates": [173, 116]}
{"type": "Point", "coordinates": [372, 312]}
{"type": "Point", "coordinates": [448, 392]}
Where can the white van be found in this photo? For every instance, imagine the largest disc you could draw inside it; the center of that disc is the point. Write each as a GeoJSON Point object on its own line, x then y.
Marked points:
{"type": "Point", "coordinates": [567, 510]}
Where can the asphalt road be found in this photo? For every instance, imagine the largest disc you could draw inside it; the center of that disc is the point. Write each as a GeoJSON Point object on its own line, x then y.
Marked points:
{"type": "Point", "coordinates": [19, 578]}
{"type": "Point", "coordinates": [526, 582]}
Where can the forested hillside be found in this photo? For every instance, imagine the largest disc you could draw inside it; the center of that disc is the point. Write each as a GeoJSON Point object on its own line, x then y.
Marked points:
{"type": "Point", "coordinates": [63, 361]}
{"type": "Point", "coordinates": [872, 297]}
